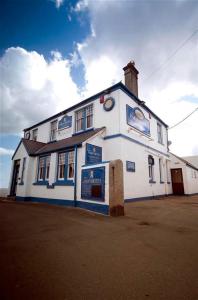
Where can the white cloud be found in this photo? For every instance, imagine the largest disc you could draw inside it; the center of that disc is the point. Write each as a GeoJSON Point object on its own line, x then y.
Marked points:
{"type": "Point", "coordinates": [147, 32]}
{"type": "Point", "coordinates": [58, 3]}
{"type": "Point", "coordinates": [4, 151]}
{"type": "Point", "coordinates": [32, 88]}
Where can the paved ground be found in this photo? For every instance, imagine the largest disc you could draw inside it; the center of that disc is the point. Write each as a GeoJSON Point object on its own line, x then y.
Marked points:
{"type": "Point", "coordinates": [50, 252]}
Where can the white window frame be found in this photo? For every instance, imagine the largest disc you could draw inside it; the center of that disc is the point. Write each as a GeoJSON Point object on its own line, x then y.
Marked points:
{"type": "Point", "coordinates": [84, 118]}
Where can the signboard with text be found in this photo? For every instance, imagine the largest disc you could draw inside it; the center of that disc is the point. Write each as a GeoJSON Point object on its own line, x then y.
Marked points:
{"type": "Point", "coordinates": [65, 122]}
{"type": "Point", "coordinates": [93, 184]}
{"type": "Point", "coordinates": [93, 154]}
{"type": "Point", "coordinates": [130, 166]}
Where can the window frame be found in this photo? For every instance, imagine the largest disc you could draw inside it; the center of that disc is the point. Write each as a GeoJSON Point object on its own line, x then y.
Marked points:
{"type": "Point", "coordinates": [84, 119]}
{"type": "Point", "coordinates": [33, 136]}
{"type": "Point", "coordinates": [161, 170]}
{"type": "Point", "coordinates": [66, 180]}
{"type": "Point", "coordinates": [55, 130]}
{"type": "Point", "coordinates": [159, 133]}
{"type": "Point", "coordinates": [151, 171]}
{"type": "Point", "coordinates": [44, 179]}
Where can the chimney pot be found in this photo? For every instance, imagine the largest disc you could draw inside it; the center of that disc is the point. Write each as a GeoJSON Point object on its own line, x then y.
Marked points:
{"type": "Point", "coordinates": [131, 77]}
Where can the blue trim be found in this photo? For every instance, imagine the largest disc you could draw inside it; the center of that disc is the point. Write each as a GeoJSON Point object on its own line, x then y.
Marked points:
{"type": "Point", "coordinates": [113, 136]}
{"type": "Point", "coordinates": [162, 182]}
{"type": "Point", "coordinates": [42, 182]}
{"type": "Point", "coordinates": [145, 198]}
{"type": "Point", "coordinates": [193, 194]}
{"type": "Point", "coordinates": [50, 186]}
{"type": "Point", "coordinates": [99, 163]}
{"type": "Point", "coordinates": [46, 200]}
{"type": "Point", "coordinates": [64, 182]}
{"type": "Point", "coordinates": [112, 88]}
{"type": "Point", "coordinates": [100, 208]}
{"type": "Point", "coordinates": [152, 181]}
{"type": "Point", "coordinates": [83, 131]}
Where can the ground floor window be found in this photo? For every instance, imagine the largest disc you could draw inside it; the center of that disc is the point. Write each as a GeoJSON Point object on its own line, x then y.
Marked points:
{"type": "Point", "coordinates": [44, 168]}
{"type": "Point", "coordinates": [151, 168]}
{"type": "Point", "coordinates": [65, 165]}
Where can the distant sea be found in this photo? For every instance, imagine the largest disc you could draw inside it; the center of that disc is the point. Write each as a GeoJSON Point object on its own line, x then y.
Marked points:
{"type": "Point", "coordinates": [3, 192]}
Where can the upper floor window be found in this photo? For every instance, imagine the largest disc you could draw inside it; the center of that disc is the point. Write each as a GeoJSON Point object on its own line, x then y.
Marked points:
{"type": "Point", "coordinates": [84, 118]}
{"type": "Point", "coordinates": [34, 134]}
{"type": "Point", "coordinates": [159, 133]}
{"type": "Point", "coordinates": [44, 168]}
{"type": "Point", "coordinates": [151, 163]}
{"type": "Point", "coordinates": [53, 130]}
{"type": "Point", "coordinates": [66, 165]}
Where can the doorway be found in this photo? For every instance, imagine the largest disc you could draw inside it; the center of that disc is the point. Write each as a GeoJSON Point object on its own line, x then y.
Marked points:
{"type": "Point", "coordinates": [15, 177]}
{"type": "Point", "coordinates": [177, 181]}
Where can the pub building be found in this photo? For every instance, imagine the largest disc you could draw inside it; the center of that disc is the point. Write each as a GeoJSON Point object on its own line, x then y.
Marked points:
{"type": "Point", "coordinates": [110, 147]}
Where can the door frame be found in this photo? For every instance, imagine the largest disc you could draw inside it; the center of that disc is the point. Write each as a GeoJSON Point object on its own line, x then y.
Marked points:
{"type": "Point", "coordinates": [15, 174]}
{"type": "Point", "coordinates": [181, 170]}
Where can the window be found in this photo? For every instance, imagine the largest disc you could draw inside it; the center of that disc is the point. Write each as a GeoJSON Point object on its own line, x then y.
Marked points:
{"type": "Point", "coordinates": [167, 171]}
{"type": "Point", "coordinates": [44, 168]}
{"type": "Point", "coordinates": [84, 118]}
{"type": "Point", "coordinates": [23, 170]}
{"type": "Point", "coordinates": [161, 169]}
{"type": "Point", "coordinates": [70, 171]}
{"type": "Point", "coordinates": [151, 168]}
{"type": "Point", "coordinates": [53, 130]}
{"type": "Point", "coordinates": [34, 134]}
{"type": "Point", "coordinates": [66, 166]}
{"type": "Point", "coordinates": [159, 133]}
{"type": "Point", "coordinates": [61, 166]}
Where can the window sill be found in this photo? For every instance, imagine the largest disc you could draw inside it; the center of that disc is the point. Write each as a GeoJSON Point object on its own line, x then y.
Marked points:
{"type": "Point", "coordinates": [161, 143]}
{"type": "Point", "coordinates": [162, 182]}
{"type": "Point", "coordinates": [83, 131]}
{"type": "Point", "coordinates": [44, 182]}
{"type": "Point", "coordinates": [168, 182]}
{"type": "Point", "coordinates": [21, 183]}
{"type": "Point", "coordinates": [64, 182]}
{"type": "Point", "coordinates": [151, 181]}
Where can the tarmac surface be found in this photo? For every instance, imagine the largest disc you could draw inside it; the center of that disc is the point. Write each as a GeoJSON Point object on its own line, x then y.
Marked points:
{"type": "Point", "coordinates": [51, 252]}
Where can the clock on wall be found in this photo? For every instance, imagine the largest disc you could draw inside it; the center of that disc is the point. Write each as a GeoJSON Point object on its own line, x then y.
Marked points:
{"type": "Point", "coordinates": [109, 104]}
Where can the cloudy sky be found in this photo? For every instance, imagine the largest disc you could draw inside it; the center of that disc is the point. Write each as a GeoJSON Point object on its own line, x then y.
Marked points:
{"type": "Point", "coordinates": [54, 53]}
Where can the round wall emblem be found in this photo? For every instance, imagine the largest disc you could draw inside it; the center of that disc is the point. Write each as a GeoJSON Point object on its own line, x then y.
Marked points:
{"type": "Point", "coordinates": [109, 104]}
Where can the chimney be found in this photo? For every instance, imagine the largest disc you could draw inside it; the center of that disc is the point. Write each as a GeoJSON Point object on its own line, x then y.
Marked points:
{"type": "Point", "coordinates": [131, 77]}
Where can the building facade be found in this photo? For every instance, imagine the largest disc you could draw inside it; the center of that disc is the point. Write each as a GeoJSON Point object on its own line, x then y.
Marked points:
{"type": "Point", "coordinates": [65, 158]}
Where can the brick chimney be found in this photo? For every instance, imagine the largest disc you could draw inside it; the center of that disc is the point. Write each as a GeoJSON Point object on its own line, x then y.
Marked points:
{"type": "Point", "coordinates": [131, 77]}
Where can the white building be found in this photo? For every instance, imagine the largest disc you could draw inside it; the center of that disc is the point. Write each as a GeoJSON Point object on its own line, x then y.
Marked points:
{"type": "Point", "coordinates": [65, 158]}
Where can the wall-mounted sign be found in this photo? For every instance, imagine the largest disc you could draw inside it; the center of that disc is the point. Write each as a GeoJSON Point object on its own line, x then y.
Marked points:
{"type": "Point", "coordinates": [109, 104]}
{"type": "Point", "coordinates": [65, 122]}
{"type": "Point", "coordinates": [93, 154]}
{"type": "Point", "coordinates": [130, 166]}
{"type": "Point", "coordinates": [93, 184]}
{"type": "Point", "coordinates": [136, 119]}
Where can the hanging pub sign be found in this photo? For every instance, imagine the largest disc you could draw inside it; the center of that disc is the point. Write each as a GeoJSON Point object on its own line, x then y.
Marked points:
{"type": "Point", "coordinates": [65, 122]}
{"type": "Point", "coordinates": [93, 154]}
{"type": "Point", "coordinates": [136, 119]}
{"type": "Point", "coordinates": [93, 184]}
{"type": "Point", "coordinates": [130, 166]}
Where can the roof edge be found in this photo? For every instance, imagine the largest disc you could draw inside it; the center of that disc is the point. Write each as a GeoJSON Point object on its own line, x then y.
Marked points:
{"type": "Point", "coordinates": [185, 161]}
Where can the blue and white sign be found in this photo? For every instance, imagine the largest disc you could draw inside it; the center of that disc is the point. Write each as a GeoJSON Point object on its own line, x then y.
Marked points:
{"type": "Point", "coordinates": [65, 122]}
{"type": "Point", "coordinates": [93, 184]}
{"type": "Point", "coordinates": [93, 154]}
{"type": "Point", "coordinates": [130, 166]}
{"type": "Point", "coordinates": [136, 119]}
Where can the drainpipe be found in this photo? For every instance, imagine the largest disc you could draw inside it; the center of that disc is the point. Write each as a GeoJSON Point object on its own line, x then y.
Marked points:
{"type": "Point", "coordinates": [75, 176]}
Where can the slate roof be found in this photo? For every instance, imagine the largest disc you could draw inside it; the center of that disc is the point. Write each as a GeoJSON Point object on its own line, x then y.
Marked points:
{"type": "Point", "coordinates": [70, 142]}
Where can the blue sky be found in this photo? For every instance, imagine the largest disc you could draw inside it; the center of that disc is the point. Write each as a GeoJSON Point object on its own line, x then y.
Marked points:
{"type": "Point", "coordinates": [54, 53]}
